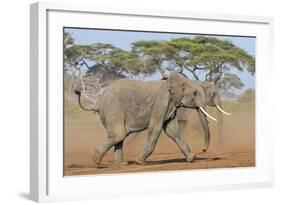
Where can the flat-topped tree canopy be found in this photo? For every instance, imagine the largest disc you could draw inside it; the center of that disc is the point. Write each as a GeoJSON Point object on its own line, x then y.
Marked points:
{"type": "Point", "coordinates": [202, 57]}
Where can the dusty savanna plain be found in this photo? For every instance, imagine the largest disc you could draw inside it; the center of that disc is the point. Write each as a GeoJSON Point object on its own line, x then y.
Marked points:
{"type": "Point", "coordinates": [83, 131]}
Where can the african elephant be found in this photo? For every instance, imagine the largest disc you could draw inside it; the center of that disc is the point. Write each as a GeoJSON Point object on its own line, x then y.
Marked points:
{"type": "Point", "coordinates": [131, 106]}
{"type": "Point", "coordinates": [209, 96]}
{"type": "Point", "coordinates": [212, 99]}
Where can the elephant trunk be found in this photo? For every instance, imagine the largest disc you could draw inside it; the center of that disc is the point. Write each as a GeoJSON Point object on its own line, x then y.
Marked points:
{"type": "Point", "coordinates": [220, 125]}
{"type": "Point", "coordinates": [205, 126]}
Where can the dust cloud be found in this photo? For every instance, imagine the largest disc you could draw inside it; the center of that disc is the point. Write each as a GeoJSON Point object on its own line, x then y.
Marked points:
{"type": "Point", "coordinates": [84, 131]}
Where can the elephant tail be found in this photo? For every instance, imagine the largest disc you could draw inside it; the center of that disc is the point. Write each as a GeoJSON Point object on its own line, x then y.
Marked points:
{"type": "Point", "coordinates": [94, 109]}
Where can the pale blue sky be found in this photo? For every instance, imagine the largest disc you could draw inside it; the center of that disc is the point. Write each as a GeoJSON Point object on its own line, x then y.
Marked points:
{"type": "Point", "coordinates": [123, 39]}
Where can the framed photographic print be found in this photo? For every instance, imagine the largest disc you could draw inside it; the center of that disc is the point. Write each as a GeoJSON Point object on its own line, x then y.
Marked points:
{"type": "Point", "coordinates": [127, 102]}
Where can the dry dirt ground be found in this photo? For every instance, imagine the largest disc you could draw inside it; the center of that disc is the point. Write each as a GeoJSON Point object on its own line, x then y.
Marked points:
{"type": "Point", "coordinates": [84, 131]}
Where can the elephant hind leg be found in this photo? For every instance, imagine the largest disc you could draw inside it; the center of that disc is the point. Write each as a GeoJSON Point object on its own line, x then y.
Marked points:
{"type": "Point", "coordinates": [118, 154]}
{"type": "Point", "coordinates": [115, 136]}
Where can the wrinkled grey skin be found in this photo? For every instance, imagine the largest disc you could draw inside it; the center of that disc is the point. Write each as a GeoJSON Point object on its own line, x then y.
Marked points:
{"type": "Point", "coordinates": [211, 99]}
{"type": "Point", "coordinates": [209, 96]}
{"type": "Point", "coordinates": [131, 106]}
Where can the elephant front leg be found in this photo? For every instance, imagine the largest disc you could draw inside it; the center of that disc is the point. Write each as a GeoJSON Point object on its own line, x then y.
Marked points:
{"type": "Point", "coordinates": [182, 125]}
{"type": "Point", "coordinates": [171, 128]}
{"type": "Point", "coordinates": [153, 135]}
{"type": "Point", "coordinates": [118, 155]}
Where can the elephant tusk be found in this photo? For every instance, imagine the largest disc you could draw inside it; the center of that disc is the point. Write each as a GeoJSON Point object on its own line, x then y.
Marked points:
{"type": "Point", "coordinates": [222, 111]}
{"type": "Point", "coordinates": [205, 113]}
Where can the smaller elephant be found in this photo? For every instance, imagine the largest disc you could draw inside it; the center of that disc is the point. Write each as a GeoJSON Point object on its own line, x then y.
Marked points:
{"type": "Point", "coordinates": [129, 106]}
{"type": "Point", "coordinates": [212, 99]}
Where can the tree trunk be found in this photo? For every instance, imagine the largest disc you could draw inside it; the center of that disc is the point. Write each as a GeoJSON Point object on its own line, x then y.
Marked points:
{"type": "Point", "coordinates": [70, 86]}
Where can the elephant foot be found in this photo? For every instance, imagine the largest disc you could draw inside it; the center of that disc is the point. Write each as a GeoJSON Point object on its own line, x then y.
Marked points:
{"type": "Point", "coordinates": [140, 162]}
{"type": "Point", "coordinates": [95, 157]}
{"type": "Point", "coordinates": [204, 150]}
{"type": "Point", "coordinates": [120, 163]}
{"type": "Point", "coordinates": [190, 157]}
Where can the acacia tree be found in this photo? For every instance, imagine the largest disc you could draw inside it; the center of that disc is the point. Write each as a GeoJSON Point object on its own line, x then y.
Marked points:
{"type": "Point", "coordinates": [107, 63]}
{"type": "Point", "coordinates": [111, 63]}
{"type": "Point", "coordinates": [68, 40]}
{"type": "Point", "coordinates": [131, 63]}
{"type": "Point", "coordinates": [73, 62]}
{"type": "Point", "coordinates": [155, 55]}
{"type": "Point", "coordinates": [102, 66]}
{"type": "Point", "coordinates": [204, 58]}
{"type": "Point", "coordinates": [228, 84]}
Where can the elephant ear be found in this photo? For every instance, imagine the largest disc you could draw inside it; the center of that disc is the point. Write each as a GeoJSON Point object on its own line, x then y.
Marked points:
{"type": "Point", "coordinates": [176, 87]}
{"type": "Point", "coordinates": [208, 87]}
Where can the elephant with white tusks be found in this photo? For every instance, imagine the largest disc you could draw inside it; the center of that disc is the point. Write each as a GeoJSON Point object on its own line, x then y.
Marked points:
{"type": "Point", "coordinates": [210, 96]}
{"type": "Point", "coordinates": [212, 99]}
{"type": "Point", "coordinates": [129, 106]}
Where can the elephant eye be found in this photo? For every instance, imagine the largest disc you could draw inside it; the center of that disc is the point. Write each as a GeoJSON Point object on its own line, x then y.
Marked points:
{"type": "Point", "coordinates": [194, 93]}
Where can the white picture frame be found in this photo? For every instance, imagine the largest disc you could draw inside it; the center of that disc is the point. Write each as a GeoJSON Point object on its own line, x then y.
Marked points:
{"type": "Point", "coordinates": [46, 175]}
